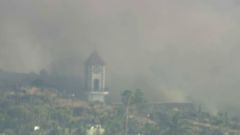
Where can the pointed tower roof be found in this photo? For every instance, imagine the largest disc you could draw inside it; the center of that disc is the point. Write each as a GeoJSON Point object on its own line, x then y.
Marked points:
{"type": "Point", "coordinates": [95, 59]}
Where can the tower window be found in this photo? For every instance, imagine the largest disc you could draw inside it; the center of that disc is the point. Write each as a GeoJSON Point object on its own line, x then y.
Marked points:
{"type": "Point", "coordinates": [96, 86]}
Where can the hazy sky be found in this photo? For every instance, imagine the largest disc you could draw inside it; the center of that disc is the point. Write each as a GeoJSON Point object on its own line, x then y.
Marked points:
{"type": "Point", "coordinates": [174, 48]}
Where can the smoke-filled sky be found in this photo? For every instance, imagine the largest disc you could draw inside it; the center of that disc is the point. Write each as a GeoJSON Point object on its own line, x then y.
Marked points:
{"type": "Point", "coordinates": [170, 48]}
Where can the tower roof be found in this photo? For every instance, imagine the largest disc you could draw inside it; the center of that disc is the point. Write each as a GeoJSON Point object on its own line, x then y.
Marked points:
{"type": "Point", "coordinates": [95, 59]}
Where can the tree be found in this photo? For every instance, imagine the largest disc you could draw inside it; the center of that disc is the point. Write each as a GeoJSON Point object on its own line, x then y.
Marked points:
{"type": "Point", "coordinates": [151, 129]}
{"type": "Point", "coordinates": [127, 96]}
{"type": "Point", "coordinates": [139, 100]}
{"type": "Point", "coordinates": [176, 126]}
{"type": "Point", "coordinates": [114, 122]}
{"type": "Point", "coordinates": [126, 99]}
{"type": "Point", "coordinates": [138, 96]}
{"type": "Point", "coordinates": [39, 83]}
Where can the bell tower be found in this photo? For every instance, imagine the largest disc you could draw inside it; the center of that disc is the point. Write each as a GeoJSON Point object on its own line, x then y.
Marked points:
{"type": "Point", "coordinates": [96, 78]}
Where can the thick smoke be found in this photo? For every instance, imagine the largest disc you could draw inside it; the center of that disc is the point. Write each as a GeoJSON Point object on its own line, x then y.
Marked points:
{"type": "Point", "coordinates": [173, 50]}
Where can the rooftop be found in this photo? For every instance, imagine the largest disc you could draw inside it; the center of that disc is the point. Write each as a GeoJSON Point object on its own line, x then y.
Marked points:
{"type": "Point", "coordinates": [95, 59]}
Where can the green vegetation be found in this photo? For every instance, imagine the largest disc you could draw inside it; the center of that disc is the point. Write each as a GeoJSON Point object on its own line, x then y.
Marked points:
{"type": "Point", "coordinates": [40, 111]}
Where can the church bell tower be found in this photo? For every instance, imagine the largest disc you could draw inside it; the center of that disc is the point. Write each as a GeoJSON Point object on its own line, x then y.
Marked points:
{"type": "Point", "coordinates": [96, 78]}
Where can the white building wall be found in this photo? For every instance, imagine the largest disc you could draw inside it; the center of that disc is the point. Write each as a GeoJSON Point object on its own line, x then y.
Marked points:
{"type": "Point", "coordinates": [101, 76]}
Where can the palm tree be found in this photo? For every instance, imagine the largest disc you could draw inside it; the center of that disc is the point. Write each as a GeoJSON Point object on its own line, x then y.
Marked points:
{"type": "Point", "coordinates": [126, 99]}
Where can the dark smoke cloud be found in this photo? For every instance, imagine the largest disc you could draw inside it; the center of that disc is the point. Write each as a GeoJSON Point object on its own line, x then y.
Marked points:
{"type": "Point", "coordinates": [174, 49]}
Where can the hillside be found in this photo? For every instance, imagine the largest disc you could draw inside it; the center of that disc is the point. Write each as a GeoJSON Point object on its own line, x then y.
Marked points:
{"type": "Point", "coordinates": [54, 114]}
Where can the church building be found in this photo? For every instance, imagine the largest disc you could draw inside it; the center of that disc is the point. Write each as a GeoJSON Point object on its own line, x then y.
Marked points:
{"type": "Point", "coordinates": [96, 78]}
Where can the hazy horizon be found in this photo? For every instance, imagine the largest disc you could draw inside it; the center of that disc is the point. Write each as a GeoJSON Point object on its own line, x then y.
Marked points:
{"type": "Point", "coordinates": [173, 50]}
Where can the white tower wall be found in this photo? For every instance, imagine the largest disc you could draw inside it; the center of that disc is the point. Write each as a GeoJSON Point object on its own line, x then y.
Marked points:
{"type": "Point", "coordinates": [96, 78]}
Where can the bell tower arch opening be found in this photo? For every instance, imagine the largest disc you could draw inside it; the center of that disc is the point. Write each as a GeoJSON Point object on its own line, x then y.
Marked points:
{"type": "Point", "coordinates": [96, 85]}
